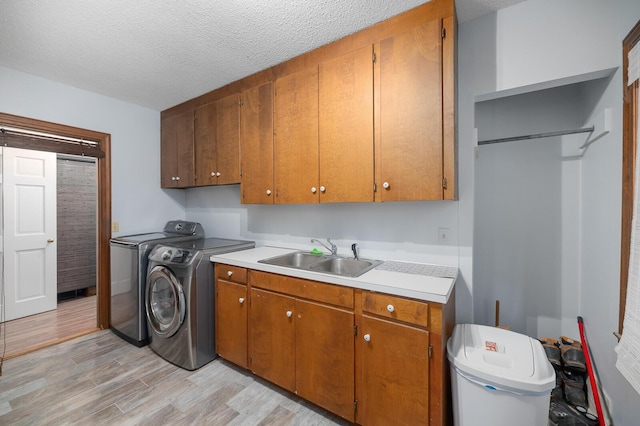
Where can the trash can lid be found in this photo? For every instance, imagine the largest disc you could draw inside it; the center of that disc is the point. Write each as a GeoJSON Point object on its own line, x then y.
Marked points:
{"type": "Point", "coordinates": [501, 357]}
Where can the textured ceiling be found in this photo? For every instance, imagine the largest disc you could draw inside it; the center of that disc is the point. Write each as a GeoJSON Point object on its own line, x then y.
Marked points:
{"type": "Point", "coordinates": [160, 53]}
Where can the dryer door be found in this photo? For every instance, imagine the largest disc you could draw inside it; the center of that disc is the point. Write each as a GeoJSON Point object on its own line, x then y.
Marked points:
{"type": "Point", "coordinates": [165, 304]}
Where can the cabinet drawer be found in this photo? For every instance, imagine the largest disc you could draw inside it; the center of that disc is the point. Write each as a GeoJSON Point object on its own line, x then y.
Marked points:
{"type": "Point", "coordinates": [399, 308]}
{"type": "Point", "coordinates": [231, 273]}
{"type": "Point", "coordinates": [306, 289]}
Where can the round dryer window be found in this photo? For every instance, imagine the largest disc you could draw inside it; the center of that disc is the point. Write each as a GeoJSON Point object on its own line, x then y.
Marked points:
{"type": "Point", "coordinates": [165, 304]}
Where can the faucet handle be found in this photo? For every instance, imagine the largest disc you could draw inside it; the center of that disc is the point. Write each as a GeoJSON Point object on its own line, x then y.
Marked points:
{"type": "Point", "coordinates": [354, 249]}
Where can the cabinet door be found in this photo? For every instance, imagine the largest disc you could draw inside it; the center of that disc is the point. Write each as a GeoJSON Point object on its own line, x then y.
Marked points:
{"type": "Point", "coordinates": [228, 139]}
{"type": "Point", "coordinates": [272, 338]}
{"type": "Point", "coordinates": [325, 357]}
{"type": "Point", "coordinates": [176, 151]}
{"type": "Point", "coordinates": [296, 137]}
{"type": "Point", "coordinates": [410, 123]}
{"type": "Point", "coordinates": [346, 127]}
{"type": "Point", "coordinates": [395, 374]}
{"type": "Point", "coordinates": [231, 322]}
{"type": "Point", "coordinates": [205, 145]}
{"type": "Point", "coordinates": [217, 142]}
{"type": "Point", "coordinates": [256, 145]}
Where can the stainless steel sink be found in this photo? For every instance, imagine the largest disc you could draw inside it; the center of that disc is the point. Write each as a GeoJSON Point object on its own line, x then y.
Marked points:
{"type": "Point", "coordinates": [298, 259]}
{"type": "Point", "coordinates": [344, 266]}
{"type": "Point", "coordinates": [336, 265]}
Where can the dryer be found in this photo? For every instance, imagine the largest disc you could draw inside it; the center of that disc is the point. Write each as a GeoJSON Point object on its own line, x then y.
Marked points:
{"type": "Point", "coordinates": [180, 299]}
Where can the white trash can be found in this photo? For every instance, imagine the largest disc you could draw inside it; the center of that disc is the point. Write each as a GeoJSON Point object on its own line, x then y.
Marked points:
{"type": "Point", "coordinates": [498, 377]}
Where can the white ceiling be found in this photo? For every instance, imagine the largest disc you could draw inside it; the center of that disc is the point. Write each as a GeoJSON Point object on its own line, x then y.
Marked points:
{"type": "Point", "coordinates": [160, 53]}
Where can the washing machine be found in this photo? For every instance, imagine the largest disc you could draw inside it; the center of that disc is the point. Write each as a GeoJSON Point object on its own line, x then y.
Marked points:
{"type": "Point", "coordinates": [129, 256]}
{"type": "Point", "coordinates": [180, 300]}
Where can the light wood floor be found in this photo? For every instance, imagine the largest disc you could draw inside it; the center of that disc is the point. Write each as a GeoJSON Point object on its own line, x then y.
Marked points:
{"type": "Point", "coordinates": [101, 379]}
{"type": "Point", "coordinates": [72, 318]}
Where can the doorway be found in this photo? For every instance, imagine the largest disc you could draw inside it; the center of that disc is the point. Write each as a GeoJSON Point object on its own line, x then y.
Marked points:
{"type": "Point", "coordinates": [97, 146]}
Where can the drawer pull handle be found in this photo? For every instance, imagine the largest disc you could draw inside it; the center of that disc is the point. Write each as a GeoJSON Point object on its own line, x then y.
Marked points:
{"type": "Point", "coordinates": [229, 273]}
{"type": "Point", "coordinates": [367, 337]}
{"type": "Point", "coordinates": [241, 300]}
{"type": "Point", "coordinates": [289, 313]}
{"type": "Point", "coordinates": [390, 308]}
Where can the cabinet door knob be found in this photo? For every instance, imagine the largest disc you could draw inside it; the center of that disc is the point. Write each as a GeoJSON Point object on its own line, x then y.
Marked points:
{"type": "Point", "coordinates": [313, 189]}
{"type": "Point", "coordinates": [229, 273]}
{"type": "Point", "coordinates": [322, 189]}
{"type": "Point", "coordinates": [173, 178]}
{"type": "Point", "coordinates": [367, 337]}
{"type": "Point", "coordinates": [218, 174]}
{"type": "Point", "coordinates": [289, 313]}
{"type": "Point", "coordinates": [213, 174]}
{"type": "Point", "coordinates": [177, 177]}
{"type": "Point", "coordinates": [241, 300]}
{"type": "Point", "coordinates": [268, 192]}
{"type": "Point", "coordinates": [390, 308]}
{"type": "Point", "coordinates": [386, 185]}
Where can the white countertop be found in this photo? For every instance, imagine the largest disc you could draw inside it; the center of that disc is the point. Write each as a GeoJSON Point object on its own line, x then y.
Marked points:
{"type": "Point", "coordinates": [417, 286]}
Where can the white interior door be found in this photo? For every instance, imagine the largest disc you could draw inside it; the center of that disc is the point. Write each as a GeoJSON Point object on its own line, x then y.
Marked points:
{"type": "Point", "coordinates": [30, 255]}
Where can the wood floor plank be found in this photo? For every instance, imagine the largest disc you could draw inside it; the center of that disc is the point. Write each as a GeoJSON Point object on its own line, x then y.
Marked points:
{"type": "Point", "coordinates": [69, 320]}
{"type": "Point", "coordinates": [126, 385]}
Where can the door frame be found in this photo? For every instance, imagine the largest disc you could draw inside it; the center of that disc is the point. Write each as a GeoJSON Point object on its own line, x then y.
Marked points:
{"type": "Point", "coordinates": [103, 156]}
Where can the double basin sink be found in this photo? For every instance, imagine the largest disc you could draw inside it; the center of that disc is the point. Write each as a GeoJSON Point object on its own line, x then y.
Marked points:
{"type": "Point", "coordinates": [336, 265]}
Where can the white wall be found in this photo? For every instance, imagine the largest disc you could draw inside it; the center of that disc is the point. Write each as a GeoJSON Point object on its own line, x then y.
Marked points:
{"type": "Point", "coordinates": [546, 40]}
{"type": "Point", "coordinates": [402, 230]}
{"type": "Point", "coordinates": [138, 203]}
{"type": "Point", "coordinates": [536, 41]}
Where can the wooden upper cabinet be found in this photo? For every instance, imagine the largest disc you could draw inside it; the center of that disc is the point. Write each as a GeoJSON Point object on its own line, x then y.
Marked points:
{"type": "Point", "coordinates": [256, 145]}
{"type": "Point", "coordinates": [410, 140]}
{"type": "Point", "coordinates": [176, 151]}
{"type": "Point", "coordinates": [346, 127]}
{"type": "Point", "coordinates": [296, 138]}
{"type": "Point", "coordinates": [217, 142]}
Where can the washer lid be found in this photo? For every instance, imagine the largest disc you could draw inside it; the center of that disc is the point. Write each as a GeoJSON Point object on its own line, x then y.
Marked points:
{"type": "Point", "coordinates": [501, 357]}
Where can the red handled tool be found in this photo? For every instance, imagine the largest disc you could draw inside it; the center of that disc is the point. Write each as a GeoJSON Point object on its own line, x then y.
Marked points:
{"type": "Point", "coordinates": [591, 372]}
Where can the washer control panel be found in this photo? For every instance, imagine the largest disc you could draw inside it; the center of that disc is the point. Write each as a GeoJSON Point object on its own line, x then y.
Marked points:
{"type": "Point", "coordinates": [170, 255]}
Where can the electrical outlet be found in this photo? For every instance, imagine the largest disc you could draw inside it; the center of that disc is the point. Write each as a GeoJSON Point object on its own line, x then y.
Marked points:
{"type": "Point", "coordinates": [443, 235]}
{"type": "Point", "coordinates": [115, 226]}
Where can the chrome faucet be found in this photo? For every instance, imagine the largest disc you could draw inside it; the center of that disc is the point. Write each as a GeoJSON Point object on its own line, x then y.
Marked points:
{"type": "Point", "coordinates": [354, 249]}
{"type": "Point", "coordinates": [333, 249]}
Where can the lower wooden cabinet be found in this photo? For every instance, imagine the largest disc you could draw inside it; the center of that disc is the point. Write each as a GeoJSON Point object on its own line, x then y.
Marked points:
{"type": "Point", "coordinates": [272, 353]}
{"type": "Point", "coordinates": [371, 358]}
{"type": "Point", "coordinates": [231, 311]}
{"type": "Point", "coordinates": [304, 347]}
{"type": "Point", "coordinates": [394, 374]}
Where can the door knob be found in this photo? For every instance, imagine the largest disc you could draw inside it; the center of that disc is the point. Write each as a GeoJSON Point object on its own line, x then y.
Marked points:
{"type": "Point", "coordinates": [367, 337]}
{"type": "Point", "coordinates": [50, 240]}
{"type": "Point", "coordinates": [241, 300]}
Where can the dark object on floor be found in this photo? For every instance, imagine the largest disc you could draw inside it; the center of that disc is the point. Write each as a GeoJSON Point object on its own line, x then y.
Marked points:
{"type": "Point", "coordinates": [563, 414]}
{"type": "Point", "coordinates": [574, 390]}
{"type": "Point", "coordinates": [552, 350]}
{"type": "Point", "coordinates": [572, 355]}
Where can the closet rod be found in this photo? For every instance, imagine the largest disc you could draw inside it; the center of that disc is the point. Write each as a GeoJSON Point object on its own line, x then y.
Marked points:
{"type": "Point", "coordinates": [538, 135]}
{"type": "Point", "coordinates": [58, 138]}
